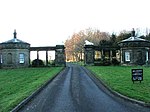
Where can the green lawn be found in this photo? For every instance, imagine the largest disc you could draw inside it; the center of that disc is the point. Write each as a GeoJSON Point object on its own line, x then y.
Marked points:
{"type": "Point", "coordinates": [17, 84]}
{"type": "Point", "coordinates": [119, 79]}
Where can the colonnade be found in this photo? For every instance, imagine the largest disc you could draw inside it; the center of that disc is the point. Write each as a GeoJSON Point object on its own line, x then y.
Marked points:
{"type": "Point", "coordinates": [60, 59]}
{"type": "Point", "coordinates": [89, 51]}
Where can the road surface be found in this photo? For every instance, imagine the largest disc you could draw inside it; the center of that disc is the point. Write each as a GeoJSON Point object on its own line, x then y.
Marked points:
{"type": "Point", "coordinates": [74, 91]}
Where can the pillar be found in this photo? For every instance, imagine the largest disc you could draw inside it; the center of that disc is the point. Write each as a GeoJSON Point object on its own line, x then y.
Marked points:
{"type": "Point", "coordinates": [89, 55]}
{"type": "Point", "coordinates": [46, 58]}
{"type": "Point", "coordinates": [60, 58]}
{"type": "Point", "coordinates": [37, 58]}
{"type": "Point", "coordinates": [29, 58]}
{"type": "Point", "coordinates": [121, 56]}
{"type": "Point", "coordinates": [111, 56]}
{"type": "Point", "coordinates": [102, 54]}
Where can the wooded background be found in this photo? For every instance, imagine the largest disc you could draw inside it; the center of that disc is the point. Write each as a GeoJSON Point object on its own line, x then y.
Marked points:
{"type": "Point", "coordinates": [75, 44]}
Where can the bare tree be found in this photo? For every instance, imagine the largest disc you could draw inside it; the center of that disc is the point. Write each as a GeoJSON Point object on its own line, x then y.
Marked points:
{"type": "Point", "coordinates": [75, 45]}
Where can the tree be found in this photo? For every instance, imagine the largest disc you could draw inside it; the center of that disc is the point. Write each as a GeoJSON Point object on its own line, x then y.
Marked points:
{"type": "Point", "coordinates": [123, 35]}
{"type": "Point", "coordinates": [69, 49]}
{"type": "Point", "coordinates": [75, 45]}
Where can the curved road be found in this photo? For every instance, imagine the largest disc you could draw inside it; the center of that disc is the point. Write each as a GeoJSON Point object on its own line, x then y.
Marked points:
{"type": "Point", "coordinates": [74, 91]}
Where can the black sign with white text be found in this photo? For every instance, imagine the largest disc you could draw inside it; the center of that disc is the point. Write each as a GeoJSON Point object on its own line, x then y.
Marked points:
{"type": "Point", "coordinates": [137, 75]}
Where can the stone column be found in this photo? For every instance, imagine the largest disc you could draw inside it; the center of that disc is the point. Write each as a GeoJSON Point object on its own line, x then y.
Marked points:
{"type": "Point", "coordinates": [60, 58]}
{"type": "Point", "coordinates": [46, 58]}
{"type": "Point", "coordinates": [30, 58]}
{"type": "Point", "coordinates": [89, 55]}
{"type": "Point", "coordinates": [102, 54]}
{"type": "Point", "coordinates": [111, 56]}
{"type": "Point", "coordinates": [37, 58]}
{"type": "Point", "coordinates": [121, 56]}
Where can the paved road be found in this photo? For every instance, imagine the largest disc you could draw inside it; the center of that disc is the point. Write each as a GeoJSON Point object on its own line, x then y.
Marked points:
{"type": "Point", "coordinates": [74, 91]}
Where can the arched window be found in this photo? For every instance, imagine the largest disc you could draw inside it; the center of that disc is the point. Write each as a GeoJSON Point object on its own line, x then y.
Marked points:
{"type": "Point", "coordinates": [21, 58]}
{"type": "Point", "coordinates": [9, 58]}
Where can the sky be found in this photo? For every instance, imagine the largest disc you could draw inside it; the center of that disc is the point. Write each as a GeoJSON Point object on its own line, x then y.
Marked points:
{"type": "Point", "coordinates": [51, 22]}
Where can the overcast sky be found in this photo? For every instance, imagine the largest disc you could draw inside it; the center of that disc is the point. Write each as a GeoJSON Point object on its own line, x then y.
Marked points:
{"type": "Point", "coordinates": [51, 22]}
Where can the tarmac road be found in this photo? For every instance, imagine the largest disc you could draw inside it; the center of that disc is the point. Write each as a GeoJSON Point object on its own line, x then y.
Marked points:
{"type": "Point", "coordinates": [74, 91]}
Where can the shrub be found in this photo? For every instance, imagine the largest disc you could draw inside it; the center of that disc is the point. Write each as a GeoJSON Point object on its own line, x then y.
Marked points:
{"type": "Point", "coordinates": [37, 63]}
{"type": "Point", "coordinates": [51, 62]}
{"type": "Point", "coordinates": [115, 61]}
{"type": "Point", "coordinates": [102, 62]}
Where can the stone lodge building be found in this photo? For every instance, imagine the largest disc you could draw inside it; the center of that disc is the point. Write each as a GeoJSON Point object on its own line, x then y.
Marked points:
{"type": "Point", "coordinates": [135, 51]}
{"type": "Point", "coordinates": [14, 53]}
{"type": "Point", "coordinates": [131, 51]}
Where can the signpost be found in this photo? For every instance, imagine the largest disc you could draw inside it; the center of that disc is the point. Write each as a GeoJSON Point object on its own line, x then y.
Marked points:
{"type": "Point", "coordinates": [137, 75]}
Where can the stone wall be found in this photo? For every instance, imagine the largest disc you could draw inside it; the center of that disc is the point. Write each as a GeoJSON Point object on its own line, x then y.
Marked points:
{"type": "Point", "coordinates": [137, 50]}
{"type": "Point", "coordinates": [137, 56]}
{"type": "Point", "coordinates": [89, 55]}
{"type": "Point", "coordinates": [14, 62]}
{"type": "Point", "coordinates": [60, 58]}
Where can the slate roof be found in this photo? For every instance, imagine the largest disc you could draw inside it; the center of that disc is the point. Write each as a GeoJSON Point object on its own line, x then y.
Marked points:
{"type": "Point", "coordinates": [14, 40]}
{"type": "Point", "coordinates": [134, 39]}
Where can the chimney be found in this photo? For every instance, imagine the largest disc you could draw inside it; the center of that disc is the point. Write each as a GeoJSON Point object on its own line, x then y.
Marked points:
{"type": "Point", "coordinates": [133, 33]}
{"type": "Point", "coordinates": [15, 34]}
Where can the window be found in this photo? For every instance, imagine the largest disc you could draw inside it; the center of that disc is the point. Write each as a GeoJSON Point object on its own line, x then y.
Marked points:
{"type": "Point", "coordinates": [146, 56]}
{"type": "Point", "coordinates": [21, 58]}
{"type": "Point", "coordinates": [1, 61]}
{"type": "Point", "coordinates": [127, 56]}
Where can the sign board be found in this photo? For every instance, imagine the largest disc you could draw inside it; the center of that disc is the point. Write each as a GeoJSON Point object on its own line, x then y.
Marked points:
{"type": "Point", "coordinates": [137, 75]}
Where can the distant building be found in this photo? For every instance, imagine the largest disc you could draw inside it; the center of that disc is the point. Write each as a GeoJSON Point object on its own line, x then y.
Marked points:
{"type": "Point", "coordinates": [14, 53]}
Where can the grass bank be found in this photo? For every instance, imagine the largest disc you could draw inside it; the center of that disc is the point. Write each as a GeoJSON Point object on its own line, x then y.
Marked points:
{"type": "Point", "coordinates": [119, 79]}
{"type": "Point", "coordinates": [17, 84]}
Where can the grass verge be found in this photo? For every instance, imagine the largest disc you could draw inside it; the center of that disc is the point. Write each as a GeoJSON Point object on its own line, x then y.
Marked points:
{"type": "Point", "coordinates": [17, 84]}
{"type": "Point", "coordinates": [119, 79]}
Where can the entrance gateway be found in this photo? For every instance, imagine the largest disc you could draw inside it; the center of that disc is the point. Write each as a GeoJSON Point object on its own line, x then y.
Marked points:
{"type": "Point", "coordinates": [15, 53]}
{"type": "Point", "coordinates": [131, 51]}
